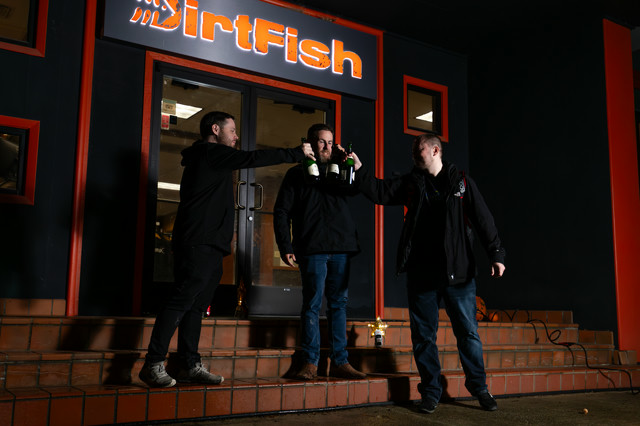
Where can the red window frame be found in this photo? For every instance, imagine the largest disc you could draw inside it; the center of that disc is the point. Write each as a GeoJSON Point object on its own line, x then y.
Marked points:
{"type": "Point", "coordinates": [444, 103]}
{"type": "Point", "coordinates": [41, 34]}
{"type": "Point", "coordinates": [33, 130]}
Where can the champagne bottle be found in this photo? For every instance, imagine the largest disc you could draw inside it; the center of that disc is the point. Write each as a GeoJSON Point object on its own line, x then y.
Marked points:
{"type": "Point", "coordinates": [348, 171]}
{"type": "Point", "coordinates": [332, 174]}
{"type": "Point", "coordinates": [312, 173]}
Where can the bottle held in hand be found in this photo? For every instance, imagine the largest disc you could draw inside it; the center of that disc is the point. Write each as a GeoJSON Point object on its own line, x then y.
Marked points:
{"type": "Point", "coordinates": [311, 170]}
{"type": "Point", "coordinates": [348, 171]}
{"type": "Point", "coordinates": [333, 167]}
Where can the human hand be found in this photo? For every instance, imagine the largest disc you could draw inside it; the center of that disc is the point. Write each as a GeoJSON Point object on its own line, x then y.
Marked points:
{"type": "Point", "coordinates": [289, 258]}
{"type": "Point", "coordinates": [356, 161]}
{"type": "Point", "coordinates": [497, 269]}
{"type": "Point", "coordinates": [307, 150]}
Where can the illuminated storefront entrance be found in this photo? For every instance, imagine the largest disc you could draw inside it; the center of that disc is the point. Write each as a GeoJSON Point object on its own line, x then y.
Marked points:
{"type": "Point", "coordinates": [266, 118]}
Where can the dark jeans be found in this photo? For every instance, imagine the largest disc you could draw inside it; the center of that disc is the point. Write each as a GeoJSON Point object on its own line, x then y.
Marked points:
{"type": "Point", "coordinates": [198, 270]}
{"type": "Point", "coordinates": [460, 303]}
{"type": "Point", "coordinates": [329, 274]}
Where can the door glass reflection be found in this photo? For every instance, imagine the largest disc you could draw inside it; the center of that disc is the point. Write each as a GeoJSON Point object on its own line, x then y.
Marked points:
{"type": "Point", "coordinates": [280, 125]}
{"type": "Point", "coordinates": [184, 103]}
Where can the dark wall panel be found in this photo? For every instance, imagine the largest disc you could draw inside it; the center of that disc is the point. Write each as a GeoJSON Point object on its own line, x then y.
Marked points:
{"type": "Point", "coordinates": [358, 127]}
{"type": "Point", "coordinates": [407, 57]}
{"type": "Point", "coordinates": [108, 250]}
{"type": "Point", "coordinates": [540, 152]}
{"type": "Point", "coordinates": [34, 246]}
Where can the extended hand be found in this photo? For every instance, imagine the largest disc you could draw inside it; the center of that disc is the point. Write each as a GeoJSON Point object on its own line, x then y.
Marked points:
{"type": "Point", "coordinates": [306, 149]}
{"type": "Point", "coordinates": [497, 269]}
{"type": "Point", "coordinates": [356, 161]}
{"type": "Point", "coordinates": [289, 258]}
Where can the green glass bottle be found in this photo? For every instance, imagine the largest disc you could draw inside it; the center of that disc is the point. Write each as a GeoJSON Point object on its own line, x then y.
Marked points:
{"type": "Point", "coordinates": [311, 171]}
{"type": "Point", "coordinates": [348, 171]}
{"type": "Point", "coordinates": [332, 174]}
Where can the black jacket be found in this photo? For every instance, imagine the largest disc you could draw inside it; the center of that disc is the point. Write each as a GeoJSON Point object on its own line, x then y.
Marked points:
{"type": "Point", "coordinates": [464, 205]}
{"type": "Point", "coordinates": [206, 211]}
{"type": "Point", "coordinates": [318, 214]}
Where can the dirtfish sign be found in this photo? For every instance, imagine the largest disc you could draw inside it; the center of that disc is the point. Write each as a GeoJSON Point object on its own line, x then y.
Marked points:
{"type": "Point", "coordinates": [252, 35]}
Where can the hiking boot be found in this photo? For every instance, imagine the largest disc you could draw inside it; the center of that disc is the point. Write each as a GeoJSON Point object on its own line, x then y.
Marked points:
{"type": "Point", "coordinates": [346, 371]}
{"type": "Point", "coordinates": [199, 374]}
{"type": "Point", "coordinates": [428, 405]}
{"type": "Point", "coordinates": [155, 376]}
{"type": "Point", "coordinates": [308, 372]}
{"type": "Point", "coordinates": [487, 401]}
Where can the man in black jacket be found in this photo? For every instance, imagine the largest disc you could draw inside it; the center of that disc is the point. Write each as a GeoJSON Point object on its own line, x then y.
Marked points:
{"type": "Point", "coordinates": [324, 238]}
{"type": "Point", "coordinates": [435, 250]}
{"type": "Point", "coordinates": [202, 236]}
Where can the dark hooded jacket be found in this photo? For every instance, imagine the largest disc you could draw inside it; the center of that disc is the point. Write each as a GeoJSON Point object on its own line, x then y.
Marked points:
{"type": "Point", "coordinates": [206, 211]}
{"type": "Point", "coordinates": [465, 206]}
{"type": "Point", "coordinates": [318, 215]}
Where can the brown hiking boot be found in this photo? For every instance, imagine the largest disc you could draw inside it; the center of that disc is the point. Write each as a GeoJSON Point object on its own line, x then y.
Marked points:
{"type": "Point", "coordinates": [308, 372]}
{"type": "Point", "coordinates": [346, 371]}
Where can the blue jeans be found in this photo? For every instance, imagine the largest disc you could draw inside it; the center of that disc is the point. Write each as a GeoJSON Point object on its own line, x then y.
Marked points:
{"type": "Point", "coordinates": [329, 274]}
{"type": "Point", "coordinates": [460, 304]}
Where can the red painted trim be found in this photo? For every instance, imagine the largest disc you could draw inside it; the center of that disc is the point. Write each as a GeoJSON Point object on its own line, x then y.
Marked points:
{"type": "Point", "coordinates": [41, 34]}
{"type": "Point", "coordinates": [444, 92]}
{"type": "Point", "coordinates": [143, 183]}
{"type": "Point", "coordinates": [379, 170]}
{"type": "Point", "coordinates": [33, 127]}
{"type": "Point", "coordinates": [144, 150]}
{"type": "Point", "coordinates": [82, 150]}
{"type": "Point", "coordinates": [624, 180]}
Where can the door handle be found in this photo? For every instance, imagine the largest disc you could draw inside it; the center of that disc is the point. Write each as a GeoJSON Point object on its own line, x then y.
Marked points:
{"type": "Point", "coordinates": [238, 206]}
{"type": "Point", "coordinates": [261, 197]}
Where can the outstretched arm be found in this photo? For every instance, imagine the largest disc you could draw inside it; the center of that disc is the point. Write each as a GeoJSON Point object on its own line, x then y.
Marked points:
{"type": "Point", "coordinates": [390, 191]}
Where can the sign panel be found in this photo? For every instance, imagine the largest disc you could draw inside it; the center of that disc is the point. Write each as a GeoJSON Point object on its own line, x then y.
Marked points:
{"type": "Point", "coordinates": [251, 35]}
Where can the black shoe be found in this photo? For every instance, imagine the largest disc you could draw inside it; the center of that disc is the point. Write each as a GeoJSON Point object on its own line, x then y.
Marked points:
{"type": "Point", "coordinates": [428, 405]}
{"type": "Point", "coordinates": [487, 401]}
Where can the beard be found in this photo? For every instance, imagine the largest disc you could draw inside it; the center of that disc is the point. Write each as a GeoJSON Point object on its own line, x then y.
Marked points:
{"type": "Point", "coordinates": [324, 156]}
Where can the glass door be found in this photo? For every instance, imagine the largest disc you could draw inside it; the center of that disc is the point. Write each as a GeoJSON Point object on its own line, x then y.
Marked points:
{"type": "Point", "coordinates": [265, 119]}
{"type": "Point", "coordinates": [282, 120]}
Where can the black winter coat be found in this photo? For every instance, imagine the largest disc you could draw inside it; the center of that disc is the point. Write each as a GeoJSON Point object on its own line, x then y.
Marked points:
{"type": "Point", "coordinates": [464, 206]}
{"type": "Point", "coordinates": [318, 214]}
{"type": "Point", "coordinates": [206, 211]}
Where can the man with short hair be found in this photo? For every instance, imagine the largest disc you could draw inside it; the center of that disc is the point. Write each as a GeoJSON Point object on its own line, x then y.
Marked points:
{"type": "Point", "coordinates": [436, 251]}
{"type": "Point", "coordinates": [202, 236]}
{"type": "Point", "coordinates": [324, 239]}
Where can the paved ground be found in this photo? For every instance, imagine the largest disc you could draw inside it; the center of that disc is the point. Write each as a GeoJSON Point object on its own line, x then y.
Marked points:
{"type": "Point", "coordinates": [604, 408]}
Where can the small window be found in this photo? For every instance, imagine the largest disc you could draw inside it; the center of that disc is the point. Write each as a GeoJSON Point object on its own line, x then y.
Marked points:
{"type": "Point", "coordinates": [23, 26]}
{"type": "Point", "coordinates": [12, 143]}
{"type": "Point", "coordinates": [18, 156]}
{"type": "Point", "coordinates": [425, 108]}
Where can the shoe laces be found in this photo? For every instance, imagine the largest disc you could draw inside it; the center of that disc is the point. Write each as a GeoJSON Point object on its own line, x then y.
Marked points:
{"type": "Point", "coordinates": [158, 368]}
{"type": "Point", "coordinates": [198, 368]}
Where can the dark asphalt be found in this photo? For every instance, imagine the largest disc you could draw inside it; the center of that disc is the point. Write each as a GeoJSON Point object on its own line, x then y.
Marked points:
{"type": "Point", "coordinates": [604, 408]}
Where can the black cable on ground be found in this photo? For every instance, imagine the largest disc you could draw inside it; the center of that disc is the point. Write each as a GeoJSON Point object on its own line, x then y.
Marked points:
{"type": "Point", "coordinates": [555, 335]}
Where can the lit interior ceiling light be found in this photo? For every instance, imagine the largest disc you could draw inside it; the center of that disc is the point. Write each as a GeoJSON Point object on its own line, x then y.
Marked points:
{"type": "Point", "coordinates": [186, 111]}
{"type": "Point", "coordinates": [171, 186]}
{"type": "Point", "coordinates": [426, 117]}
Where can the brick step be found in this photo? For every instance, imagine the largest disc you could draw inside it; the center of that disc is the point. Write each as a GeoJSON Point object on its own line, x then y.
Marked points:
{"type": "Point", "coordinates": [506, 315]}
{"type": "Point", "coordinates": [63, 368]}
{"type": "Point", "coordinates": [100, 334]}
{"type": "Point", "coordinates": [91, 404]}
